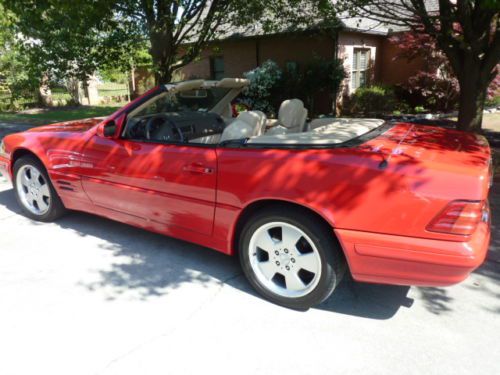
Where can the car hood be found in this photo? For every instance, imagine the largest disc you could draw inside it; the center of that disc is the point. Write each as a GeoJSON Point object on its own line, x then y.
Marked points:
{"type": "Point", "coordinates": [76, 126]}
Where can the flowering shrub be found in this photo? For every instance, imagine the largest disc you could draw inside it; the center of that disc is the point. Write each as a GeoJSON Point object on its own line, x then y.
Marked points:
{"type": "Point", "coordinates": [493, 95]}
{"type": "Point", "coordinates": [434, 92]}
{"type": "Point", "coordinates": [263, 82]}
{"type": "Point", "coordinates": [436, 88]}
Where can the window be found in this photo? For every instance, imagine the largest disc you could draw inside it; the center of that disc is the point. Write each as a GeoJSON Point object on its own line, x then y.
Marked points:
{"type": "Point", "coordinates": [217, 67]}
{"type": "Point", "coordinates": [359, 75]}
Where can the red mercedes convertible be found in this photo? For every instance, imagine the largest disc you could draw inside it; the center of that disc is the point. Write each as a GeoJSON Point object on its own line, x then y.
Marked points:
{"type": "Point", "coordinates": [301, 202]}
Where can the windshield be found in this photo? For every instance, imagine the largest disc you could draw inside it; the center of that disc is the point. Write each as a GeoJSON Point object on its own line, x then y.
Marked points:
{"type": "Point", "coordinates": [201, 100]}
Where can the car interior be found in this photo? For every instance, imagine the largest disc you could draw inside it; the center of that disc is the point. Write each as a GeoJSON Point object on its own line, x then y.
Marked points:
{"type": "Point", "coordinates": [200, 112]}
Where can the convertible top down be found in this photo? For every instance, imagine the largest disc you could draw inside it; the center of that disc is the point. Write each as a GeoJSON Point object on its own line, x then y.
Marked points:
{"type": "Point", "coordinates": [300, 200]}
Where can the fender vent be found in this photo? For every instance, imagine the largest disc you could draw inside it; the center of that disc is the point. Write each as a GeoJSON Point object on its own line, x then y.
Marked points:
{"type": "Point", "coordinates": [65, 185]}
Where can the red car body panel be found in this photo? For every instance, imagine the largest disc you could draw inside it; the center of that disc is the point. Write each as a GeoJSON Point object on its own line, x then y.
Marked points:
{"type": "Point", "coordinates": [198, 193]}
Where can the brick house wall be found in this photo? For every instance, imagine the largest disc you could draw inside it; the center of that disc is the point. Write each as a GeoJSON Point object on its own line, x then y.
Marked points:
{"type": "Point", "coordinates": [395, 70]}
{"type": "Point", "coordinates": [244, 54]}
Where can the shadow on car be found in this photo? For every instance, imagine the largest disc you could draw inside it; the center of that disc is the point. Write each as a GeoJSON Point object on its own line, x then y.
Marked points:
{"type": "Point", "coordinates": [148, 265]}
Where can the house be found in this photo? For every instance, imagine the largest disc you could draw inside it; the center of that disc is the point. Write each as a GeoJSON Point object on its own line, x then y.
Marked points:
{"type": "Point", "coordinates": [362, 44]}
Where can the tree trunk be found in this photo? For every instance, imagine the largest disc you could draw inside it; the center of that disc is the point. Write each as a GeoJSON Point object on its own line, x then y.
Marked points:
{"type": "Point", "coordinates": [471, 102]}
{"type": "Point", "coordinates": [73, 87]}
{"type": "Point", "coordinates": [44, 92]}
{"type": "Point", "coordinates": [163, 74]}
{"type": "Point", "coordinates": [473, 88]}
{"type": "Point", "coordinates": [161, 52]}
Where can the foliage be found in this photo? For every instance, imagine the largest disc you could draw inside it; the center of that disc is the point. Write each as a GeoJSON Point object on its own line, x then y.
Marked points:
{"type": "Point", "coordinates": [71, 39]}
{"type": "Point", "coordinates": [493, 102]}
{"type": "Point", "coordinates": [436, 87]}
{"type": "Point", "coordinates": [77, 37]}
{"type": "Point", "coordinates": [17, 86]}
{"type": "Point", "coordinates": [493, 94]}
{"type": "Point", "coordinates": [320, 76]}
{"type": "Point", "coordinates": [270, 85]}
{"type": "Point", "coordinates": [114, 75]}
{"type": "Point", "coordinates": [264, 80]}
{"type": "Point", "coordinates": [466, 32]}
{"type": "Point", "coordinates": [432, 91]}
{"type": "Point", "coordinates": [372, 100]}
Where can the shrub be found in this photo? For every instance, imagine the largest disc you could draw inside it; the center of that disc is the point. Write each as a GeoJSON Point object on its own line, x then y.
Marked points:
{"type": "Point", "coordinates": [264, 81]}
{"type": "Point", "coordinates": [319, 78]}
{"type": "Point", "coordinates": [372, 100]}
{"type": "Point", "coordinates": [432, 91]}
{"type": "Point", "coordinates": [493, 102]}
{"type": "Point", "coordinates": [493, 95]}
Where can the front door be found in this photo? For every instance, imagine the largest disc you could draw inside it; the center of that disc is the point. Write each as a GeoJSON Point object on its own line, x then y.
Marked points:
{"type": "Point", "coordinates": [172, 184]}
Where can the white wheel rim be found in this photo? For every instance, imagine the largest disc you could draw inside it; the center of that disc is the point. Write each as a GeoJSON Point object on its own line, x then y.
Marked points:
{"type": "Point", "coordinates": [284, 259]}
{"type": "Point", "coordinates": [33, 190]}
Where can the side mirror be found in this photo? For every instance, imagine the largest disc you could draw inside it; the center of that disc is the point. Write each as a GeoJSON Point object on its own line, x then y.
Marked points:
{"type": "Point", "coordinates": [111, 128]}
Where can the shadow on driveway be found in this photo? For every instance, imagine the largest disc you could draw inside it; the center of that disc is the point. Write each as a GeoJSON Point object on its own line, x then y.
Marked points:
{"type": "Point", "coordinates": [152, 264]}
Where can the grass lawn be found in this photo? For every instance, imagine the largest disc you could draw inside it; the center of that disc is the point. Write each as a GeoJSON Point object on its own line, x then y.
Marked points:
{"type": "Point", "coordinates": [40, 117]}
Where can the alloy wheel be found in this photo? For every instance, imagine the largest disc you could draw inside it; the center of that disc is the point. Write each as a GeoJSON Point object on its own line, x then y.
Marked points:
{"type": "Point", "coordinates": [285, 259]}
{"type": "Point", "coordinates": [33, 190]}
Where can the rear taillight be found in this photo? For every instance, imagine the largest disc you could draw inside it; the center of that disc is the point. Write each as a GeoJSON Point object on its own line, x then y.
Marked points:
{"type": "Point", "coordinates": [458, 217]}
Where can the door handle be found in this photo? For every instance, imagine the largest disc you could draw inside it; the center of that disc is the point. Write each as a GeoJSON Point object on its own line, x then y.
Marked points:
{"type": "Point", "coordinates": [198, 169]}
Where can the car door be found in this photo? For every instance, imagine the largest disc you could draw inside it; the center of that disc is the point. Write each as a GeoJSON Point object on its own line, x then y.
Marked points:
{"type": "Point", "coordinates": [172, 184]}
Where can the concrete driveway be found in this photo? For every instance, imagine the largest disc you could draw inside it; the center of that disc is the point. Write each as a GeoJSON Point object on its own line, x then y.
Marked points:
{"type": "Point", "coordinates": [87, 296]}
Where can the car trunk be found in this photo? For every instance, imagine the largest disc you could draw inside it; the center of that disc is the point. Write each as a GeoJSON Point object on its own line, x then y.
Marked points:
{"type": "Point", "coordinates": [440, 149]}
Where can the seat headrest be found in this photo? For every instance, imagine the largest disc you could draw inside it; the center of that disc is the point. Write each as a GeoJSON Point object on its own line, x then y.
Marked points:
{"type": "Point", "coordinates": [237, 130]}
{"type": "Point", "coordinates": [292, 113]}
{"type": "Point", "coordinates": [256, 119]}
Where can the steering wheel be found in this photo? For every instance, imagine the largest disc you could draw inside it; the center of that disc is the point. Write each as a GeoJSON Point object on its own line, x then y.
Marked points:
{"type": "Point", "coordinates": [163, 128]}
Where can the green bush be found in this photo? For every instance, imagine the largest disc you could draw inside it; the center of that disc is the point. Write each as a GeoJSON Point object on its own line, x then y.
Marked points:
{"type": "Point", "coordinates": [373, 100]}
{"type": "Point", "coordinates": [264, 80]}
{"type": "Point", "coordinates": [270, 85]}
{"type": "Point", "coordinates": [493, 102]}
{"type": "Point", "coordinates": [319, 78]}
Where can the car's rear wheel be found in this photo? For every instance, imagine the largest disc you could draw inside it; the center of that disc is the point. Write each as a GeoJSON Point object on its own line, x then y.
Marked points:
{"type": "Point", "coordinates": [34, 191]}
{"type": "Point", "coordinates": [291, 257]}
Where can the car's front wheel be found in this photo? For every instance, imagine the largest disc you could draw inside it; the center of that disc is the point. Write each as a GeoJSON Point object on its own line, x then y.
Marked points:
{"type": "Point", "coordinates": [34, 191]}
{"type": "Point", "coordinates": [291, 257]}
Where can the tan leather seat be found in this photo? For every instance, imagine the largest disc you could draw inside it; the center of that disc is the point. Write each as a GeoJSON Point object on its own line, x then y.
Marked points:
{"type": "Point", "coordinates": [247, 124]}
{"type": "Point", "coordinates": [292, 118]}
{"type": "Point", "coordinates": [256, 119]}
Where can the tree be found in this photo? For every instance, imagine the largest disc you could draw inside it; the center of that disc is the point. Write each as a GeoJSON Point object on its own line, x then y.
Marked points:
{"type": "Point", "coordinates": [14, 73]}
{"type": "Point", "coordinates": [435, 87]}
{"type": "Point", "coordinates": [466, 31]}
{"type": "Point", "coordinates": [76, 37]}
{"type": "Point", "coordinates": [71, 39]}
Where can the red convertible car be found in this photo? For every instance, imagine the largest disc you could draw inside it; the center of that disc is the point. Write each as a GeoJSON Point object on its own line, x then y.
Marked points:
{"type": "Point", "coordinates": [299, 201]}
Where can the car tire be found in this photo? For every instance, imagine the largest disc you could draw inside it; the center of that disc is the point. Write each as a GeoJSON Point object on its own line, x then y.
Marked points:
{"type": "Point", "coordinates": [299, 268]}
{"type": "Point", "coordinates": [34, 191]}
